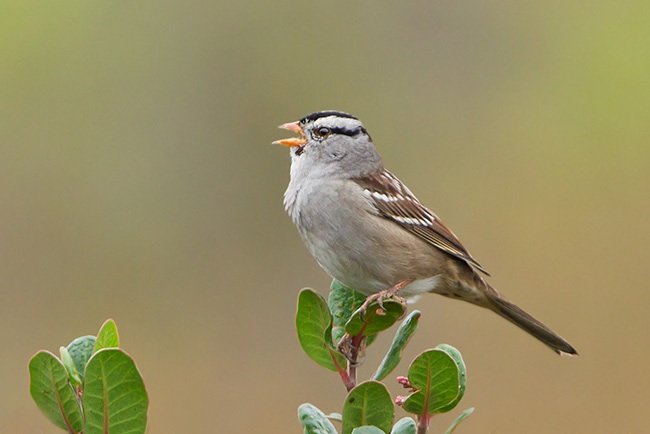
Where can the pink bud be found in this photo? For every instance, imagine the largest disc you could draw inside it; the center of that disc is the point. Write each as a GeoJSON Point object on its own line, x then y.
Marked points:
{"type": "Point", "coordinates": [404, 381]}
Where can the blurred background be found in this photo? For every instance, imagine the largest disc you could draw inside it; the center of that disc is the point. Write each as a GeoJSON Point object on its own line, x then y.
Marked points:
{"type": "Point", "coordinates": [138, 182]}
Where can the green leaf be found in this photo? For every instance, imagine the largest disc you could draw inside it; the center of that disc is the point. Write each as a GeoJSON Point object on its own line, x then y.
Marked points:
{"type": "Point", "coordinates": [439, 375]}
{"type": "Point", "coordinates": [464, 415]}
{"type": "Point", "coordinates": [80, 350]}
{"type": "Point", "coordinates": [314, 421]}
{"type": "Point", "coordinates": [367, 430]}
{"type": "Point", "coordinates": [114, 397]}
{"type": "Point", "coordinates": [107, 336]}
{"type": "Point", "coordinates": [342, 302]}
{"type": "Point", "coordinates": [375, 319]}
{"type": "Point", "coordinates": [405, 425]}
{"type": "Point", "coordinates": [53, 394]}
{"type": "Point", "coordinates": [71, 369]}
{"type": "Point", "coordinates": [368, 404]}
{"type": "Point", "coordinates": [394, 355]}
{"type": "Point", "coordinates": [314, 325]}
{"type": "Point", "coordinates": [462, 374]}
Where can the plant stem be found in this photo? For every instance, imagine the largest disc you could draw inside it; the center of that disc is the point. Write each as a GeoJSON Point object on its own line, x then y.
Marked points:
{"type": "Point", "coordinates": [352, 375]}
{"type": "Point", "coordinates": [345, 377]}
{"type": "Point", "coordinates": [358, 342]}
{"type": "Point", "coordinates": [423, 424]}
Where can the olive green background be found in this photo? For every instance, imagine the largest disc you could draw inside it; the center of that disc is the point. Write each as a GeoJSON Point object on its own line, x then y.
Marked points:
{"type": "Point", "coordinates": [138, 182]}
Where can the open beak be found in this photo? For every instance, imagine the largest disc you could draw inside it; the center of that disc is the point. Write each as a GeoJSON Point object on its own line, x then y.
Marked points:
{"type": "Point", "coordinates": [294, 141]}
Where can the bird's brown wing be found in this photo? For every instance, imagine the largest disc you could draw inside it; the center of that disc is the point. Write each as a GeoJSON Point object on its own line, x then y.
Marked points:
{"type": "Point", "coordinates": [395, 202]}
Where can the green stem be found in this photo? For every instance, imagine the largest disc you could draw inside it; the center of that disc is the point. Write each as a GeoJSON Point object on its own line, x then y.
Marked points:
{"type": "Point", "coordinates": [345, 376]}
{"type": "Point", "coordinates": [423, 424]}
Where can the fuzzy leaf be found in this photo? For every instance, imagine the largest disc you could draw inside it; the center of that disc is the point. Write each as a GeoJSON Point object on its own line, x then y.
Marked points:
{"type": "Point", "coordinates": [367, 430]}
{"type": "Point", "coordinates": [314, 421]}
{"type": "Point", "coordinates": [80, 350]}
{"type": "Point", "coordinates": [52, 392]}
{"type": "Point", "coordinates": [464, 415]}
{"type": "Point", "coordinates": [394, 354]}
{"type": "Point", "coordinates": [368, 404]}
{"type": "Point", "coordinates": [335, 416]}
{"type": "Point", "coordinates": [405, 425]}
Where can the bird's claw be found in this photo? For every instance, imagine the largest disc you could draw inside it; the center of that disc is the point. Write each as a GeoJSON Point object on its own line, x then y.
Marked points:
{"type": "Point", "coordinates": [355, 354]}
{"type": "Point", "coordinates": [379, 297]}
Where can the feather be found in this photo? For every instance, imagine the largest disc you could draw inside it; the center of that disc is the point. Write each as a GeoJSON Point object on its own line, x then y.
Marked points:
{"type": "Point", "coordinates": [395, 202]}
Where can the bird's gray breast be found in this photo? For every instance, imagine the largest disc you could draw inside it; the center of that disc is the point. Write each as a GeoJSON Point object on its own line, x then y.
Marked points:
{"type": "Point", "coordinates": [329, 215]}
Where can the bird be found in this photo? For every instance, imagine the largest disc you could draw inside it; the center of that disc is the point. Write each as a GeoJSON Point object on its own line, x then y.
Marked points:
{"type": "Point", "coordinates": [366, 229]}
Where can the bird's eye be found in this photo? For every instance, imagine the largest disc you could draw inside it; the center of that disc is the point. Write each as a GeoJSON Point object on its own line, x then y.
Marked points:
{"type": "Point", "coordinates": [322, 132]}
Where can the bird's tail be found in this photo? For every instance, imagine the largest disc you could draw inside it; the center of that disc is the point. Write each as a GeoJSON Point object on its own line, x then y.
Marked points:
{"type": "Point", "coordinates": [519, 317]}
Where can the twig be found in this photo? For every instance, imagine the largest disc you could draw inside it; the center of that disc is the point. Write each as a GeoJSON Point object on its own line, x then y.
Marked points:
{"type": "Point", "coordinates": [423, 424]}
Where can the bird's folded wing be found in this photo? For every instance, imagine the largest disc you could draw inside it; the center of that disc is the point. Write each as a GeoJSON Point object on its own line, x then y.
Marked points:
{"type": "Point", "coordinates": [395, 202]}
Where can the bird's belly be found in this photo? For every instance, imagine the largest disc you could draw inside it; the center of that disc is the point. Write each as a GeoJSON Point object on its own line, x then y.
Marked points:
{"type": "Point", "coordinates": [356, 265]}
{"type": "Point", "coordinates": [345, 263]}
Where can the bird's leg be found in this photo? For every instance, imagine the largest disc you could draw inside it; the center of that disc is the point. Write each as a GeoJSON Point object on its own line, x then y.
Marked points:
{"type": "Point", "coordinates": [353, 347]}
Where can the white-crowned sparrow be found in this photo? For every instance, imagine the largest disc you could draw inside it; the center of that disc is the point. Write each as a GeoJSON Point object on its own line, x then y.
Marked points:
{"type": "Point", "coordinates": [367, 230]}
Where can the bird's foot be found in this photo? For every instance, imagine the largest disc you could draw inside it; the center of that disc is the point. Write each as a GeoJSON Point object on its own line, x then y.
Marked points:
{"type": "Point", "coordinates": [392, 292]}
{"type": "Point", "coordinates": [353, 348]}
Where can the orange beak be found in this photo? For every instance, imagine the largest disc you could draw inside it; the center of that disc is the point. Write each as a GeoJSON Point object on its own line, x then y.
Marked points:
{"type": "Point", "coordinates": [294, 141]}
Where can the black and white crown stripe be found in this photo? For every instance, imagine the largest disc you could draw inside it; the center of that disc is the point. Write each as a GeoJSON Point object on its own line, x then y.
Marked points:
{"type": "Point", "coordinates": [337, 122]}
{"type": "Point", "coordinates": [394, 201]}
{"type": "Point", "coordinates": [325, 114]}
